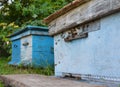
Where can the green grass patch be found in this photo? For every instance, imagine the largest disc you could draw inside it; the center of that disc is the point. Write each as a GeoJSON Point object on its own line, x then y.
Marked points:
{"type": "Point", "coordinates": [1, 84]}
{"type": "Point", "coordinates": [6, 69]}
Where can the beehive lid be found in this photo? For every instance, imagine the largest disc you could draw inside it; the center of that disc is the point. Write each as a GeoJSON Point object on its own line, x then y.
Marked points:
{"type": "Point", "coordinates": [64, 10]}
{"type": "Point", "coordinates": [80, 12]}
{"type": "Point", "coordinates": [31, 28]}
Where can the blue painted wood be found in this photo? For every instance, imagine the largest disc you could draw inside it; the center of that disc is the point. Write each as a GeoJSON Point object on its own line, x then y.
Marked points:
{"type": "Point", "coordinates": [42, 51]}
{"type": "Point", "coordinates": [39, 50]}
{"type": "Point", "coordinates": [29, 28]}
{"type": "Point", "coordinates": [15, 52]}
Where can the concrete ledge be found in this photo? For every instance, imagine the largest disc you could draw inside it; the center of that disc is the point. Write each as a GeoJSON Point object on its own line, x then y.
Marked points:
{"type": "Point", "coordinates": [8, 82]}
{"type": "Point", "coordinates": [41, 81]}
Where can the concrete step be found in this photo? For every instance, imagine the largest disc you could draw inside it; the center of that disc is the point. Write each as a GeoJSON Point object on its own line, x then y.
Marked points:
{"type": "Point", "coordinates": [42, 81]}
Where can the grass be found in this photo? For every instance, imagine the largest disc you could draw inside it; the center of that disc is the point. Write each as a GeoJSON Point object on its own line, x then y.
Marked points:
{"type": "Point", "coordinates": [6, 69]}
{"type": "Point", "coordinates": [1, 84]}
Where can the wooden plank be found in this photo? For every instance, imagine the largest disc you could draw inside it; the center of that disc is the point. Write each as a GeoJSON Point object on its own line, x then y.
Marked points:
{"type": "Point", "coordinates": [85, 13]}
{"type": "Point", "coordinates": [80, 32]}
{"type": "Point", "coordinates": [64, 10]}
{"type": "Point", "coordinates": [70, 38]}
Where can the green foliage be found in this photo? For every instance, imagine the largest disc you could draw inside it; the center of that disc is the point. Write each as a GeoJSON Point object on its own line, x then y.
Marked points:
{"type": "Point", "coordinates": [20, 13]}
{"type": "Point", "coordinates": [1, 84]}
{"type": "Point", "coordinates": [5, 44]}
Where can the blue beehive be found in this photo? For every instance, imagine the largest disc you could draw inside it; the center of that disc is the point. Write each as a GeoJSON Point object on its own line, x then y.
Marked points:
{"type": "Point", "coordinates": [32, 45]}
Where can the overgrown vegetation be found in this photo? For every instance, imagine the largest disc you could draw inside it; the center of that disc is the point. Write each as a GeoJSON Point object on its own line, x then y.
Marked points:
{"type": "Point", "coordinates": [19, 13]}
{"type": "Point", "coordinates": [8, 69]}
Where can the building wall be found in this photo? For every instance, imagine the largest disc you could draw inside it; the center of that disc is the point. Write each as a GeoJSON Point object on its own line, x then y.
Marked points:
{"type": "Point", "coordinates": [98, 54]}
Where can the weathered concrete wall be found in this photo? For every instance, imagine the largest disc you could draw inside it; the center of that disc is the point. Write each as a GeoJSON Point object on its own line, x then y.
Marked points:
{"type": "Point", "coordinates": [98, 54]}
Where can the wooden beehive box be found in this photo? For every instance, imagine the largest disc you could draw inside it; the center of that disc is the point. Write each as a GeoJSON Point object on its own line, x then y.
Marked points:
{"type": "Point", "coordinates": [32, 46]}
{"type": "Point", "coordinates": [86, 39]}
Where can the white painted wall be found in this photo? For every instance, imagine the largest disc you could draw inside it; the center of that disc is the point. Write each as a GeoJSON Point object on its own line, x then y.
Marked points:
{"type": "Point", "coordinates": [26, 51]}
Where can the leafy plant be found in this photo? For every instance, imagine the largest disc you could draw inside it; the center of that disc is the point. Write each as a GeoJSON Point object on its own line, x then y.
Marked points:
{"type": "Point", "coordinates": [5, 44]}
{"type": "Point", "coordinates": [20, 13]}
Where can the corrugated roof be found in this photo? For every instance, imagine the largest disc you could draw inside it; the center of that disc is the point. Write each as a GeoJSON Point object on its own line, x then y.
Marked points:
{"type": "Point", "coordinates": [64, 10]}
